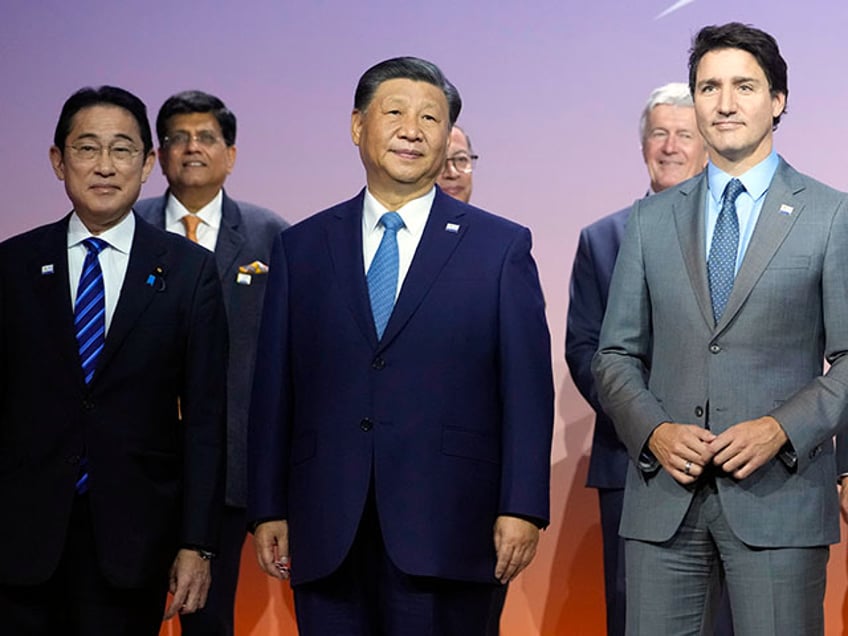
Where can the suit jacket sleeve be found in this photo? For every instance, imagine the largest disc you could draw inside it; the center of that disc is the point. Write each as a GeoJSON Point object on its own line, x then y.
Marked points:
{"type": "Point", "coordinates": [268, 431]}
{"type": "Point", "coordinates": [204, 407]}
{"type": "Point", "coordinates": [526, 387]}
{"type": "Point", "coordinates": [583, 326]}
{"type": "Point", "coordinates": [621, 365]}
{"type": "Point", "coordinates": [818, 411]}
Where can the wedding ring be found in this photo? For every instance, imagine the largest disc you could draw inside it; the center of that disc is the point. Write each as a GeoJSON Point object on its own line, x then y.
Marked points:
{"type": "Point", "coordinates": [688, 467]}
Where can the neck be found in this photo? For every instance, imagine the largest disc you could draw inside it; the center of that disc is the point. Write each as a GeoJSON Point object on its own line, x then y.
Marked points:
{"type": "Point", "coordinates": [396, 198]}
{"type": "Point", "coordinates": [738, 164]}
{"type": "Point", "coordinates": [195, 199]}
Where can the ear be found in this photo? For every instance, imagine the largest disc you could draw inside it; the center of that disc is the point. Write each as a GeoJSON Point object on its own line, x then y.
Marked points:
{"type": "Point", "coordinates": [162, 154]}
{"type": "Point", "coordinates": [58, 163]}
{"type": "Point", "coordinates": [231, 158]}
{"type": "Point", "coordinates": [356, 126]}
{"type": "Point", "coordinates": [147, 168]}
{"type": "Point", "coordinates": [778, 103]}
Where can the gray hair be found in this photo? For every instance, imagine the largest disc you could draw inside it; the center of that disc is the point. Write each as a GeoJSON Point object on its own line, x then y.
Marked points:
{"type": "Point", "coordinates": [673, 94]}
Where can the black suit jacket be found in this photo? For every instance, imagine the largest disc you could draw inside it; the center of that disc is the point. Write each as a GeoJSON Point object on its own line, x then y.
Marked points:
{"type": "Point", "coordinates": [155, 480]}
{"type": "Point", "coordinates": [246, 234]}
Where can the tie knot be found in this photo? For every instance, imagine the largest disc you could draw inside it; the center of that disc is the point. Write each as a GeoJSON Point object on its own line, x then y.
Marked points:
{"type": "Point", "coordinates": [392, 221]}
{"type": "Point", "coordinates": [732, 191]}
{"type": "Point", "coordinates": [95, 245]}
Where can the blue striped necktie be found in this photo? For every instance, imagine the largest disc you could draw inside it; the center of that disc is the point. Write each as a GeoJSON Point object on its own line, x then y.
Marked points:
{"type": "Point", "coordinates": [721, 265]}
{"type": "Point", "coordinates": [382, 275]}
{"type": "Point", "coordinates": [90, 323]}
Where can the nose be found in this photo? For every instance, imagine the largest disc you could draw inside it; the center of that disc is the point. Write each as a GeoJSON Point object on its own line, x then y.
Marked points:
{"type": "Point", "coordinates": [192, 145]}
{"type": "Point", "coordinates": [669, 146]}
{"type": "Point", "coordinates": [727, 102]}
{"type": "Point", "coordinates": [105, 165]}
{"type": "Point", "coordinates": [410, 130]}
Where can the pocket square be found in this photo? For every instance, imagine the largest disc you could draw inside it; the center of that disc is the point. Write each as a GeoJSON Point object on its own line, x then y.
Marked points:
{"type": "Point", "coordinates": [256, 267]}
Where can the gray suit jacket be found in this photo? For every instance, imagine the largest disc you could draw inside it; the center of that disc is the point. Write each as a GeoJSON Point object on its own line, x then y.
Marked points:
{"type": "Point", "coordinates": [247, 234]}
{"type": "Point", "coordinates": [662, 357]}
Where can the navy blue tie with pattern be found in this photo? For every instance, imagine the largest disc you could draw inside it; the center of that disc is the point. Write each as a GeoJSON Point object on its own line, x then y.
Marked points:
{"type": "Point", "coordinates": [721, 266]}
{"type": "Point", "coordinates": [382, 275]}
{"type": "Point", "coordinates": [90, 323]}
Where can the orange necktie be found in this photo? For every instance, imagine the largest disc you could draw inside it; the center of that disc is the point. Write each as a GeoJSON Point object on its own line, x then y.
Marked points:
{"type": "Point", "coordinates": [191, 222]}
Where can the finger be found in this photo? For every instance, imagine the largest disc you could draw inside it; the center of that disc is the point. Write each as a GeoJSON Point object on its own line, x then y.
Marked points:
{"type": "Point", "coordinates": [177, 602]}
{"type": "Point", "coordinates": [504, 557]}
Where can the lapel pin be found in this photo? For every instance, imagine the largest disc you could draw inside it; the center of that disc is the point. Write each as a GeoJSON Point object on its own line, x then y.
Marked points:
{"type": "Point", "coordinates": [452, 227]}
{"type": "Point", "coordinates": [47, 269]}
{"type": "Point", "coordinates": [786, 209]}
{"type": "Point", "coordinates": [243, 279]}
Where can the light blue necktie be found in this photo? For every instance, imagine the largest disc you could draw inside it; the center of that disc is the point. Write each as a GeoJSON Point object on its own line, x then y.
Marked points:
{"type": "Point", "coordinates": [721, 266]}
{"type": "Point", "coordinates": [90, 323]}
{"type": "Point", "coordinates": [382, 276]}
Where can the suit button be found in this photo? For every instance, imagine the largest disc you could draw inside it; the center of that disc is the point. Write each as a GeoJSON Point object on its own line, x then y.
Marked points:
{"type": "Point", "coordinates": [87, 405]}
{"type": "Point", "coordinates": [815, 452]}
{"type": "Point", "coordinates": [699, 411]}
{"type": "Point", "coordinates": [378, 363]}
{"type": "Point", "coordinates": [714, 348]}
{"type": "Point", "coordinates": [73, 459]}
{"type": "Point", "coordinates": [366, 425]}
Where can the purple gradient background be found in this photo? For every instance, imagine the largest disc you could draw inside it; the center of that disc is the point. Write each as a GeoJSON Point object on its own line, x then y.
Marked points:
{"type": "Point", "coordinates": [552, 93]}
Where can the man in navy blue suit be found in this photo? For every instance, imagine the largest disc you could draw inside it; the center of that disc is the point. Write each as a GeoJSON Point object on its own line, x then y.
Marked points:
{"type": "Point", "coordinates": [197, 151]}
{"type": "Point", "coordinates": [399, 455]}
{"type": "Point", "coordinates": [673, 151]}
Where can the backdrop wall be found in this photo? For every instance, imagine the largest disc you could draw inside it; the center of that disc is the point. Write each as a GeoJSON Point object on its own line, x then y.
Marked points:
{"type": "Point", "coordinates": [552, 90]}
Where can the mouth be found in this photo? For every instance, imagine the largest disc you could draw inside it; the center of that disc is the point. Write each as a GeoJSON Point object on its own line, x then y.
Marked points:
{"type": "Point", "coordinates": [104, 188]}
{"type": "Point", "coordinates": [727, 124]}
{"type": "Point", "coordinates": [405, 153]}
{"type": "Point", "coordinates": [194, 164]}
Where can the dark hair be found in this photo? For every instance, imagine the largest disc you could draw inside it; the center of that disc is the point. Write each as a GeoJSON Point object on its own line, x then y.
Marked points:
{"type": "Point", "coordinates": [188, 102]}
{"type": "Point", "coordinates": [735, 35]}
{"type": "Point", "coordinates": [104, 95]}
{"type": "Point", "coordinates": [412, 68]}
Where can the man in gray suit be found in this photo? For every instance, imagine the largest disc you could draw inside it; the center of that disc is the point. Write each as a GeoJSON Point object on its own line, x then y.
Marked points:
{"type": "Point", "coordinates": [197, 151]}
{"type": "Point", "coordinates": [729, 291]}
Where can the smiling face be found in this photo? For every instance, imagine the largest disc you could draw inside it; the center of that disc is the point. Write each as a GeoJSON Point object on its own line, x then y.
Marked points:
{"type": "Point", "coordinates": [197, 164]}
{"type": "Point", "coordinates": [735, 109]}
{"type": "Point", "coordinates": [104, 187]}
{"type": "Point", "coordinates": [673, 149]}
{"type": "Point", "coordinates": [402, 137]}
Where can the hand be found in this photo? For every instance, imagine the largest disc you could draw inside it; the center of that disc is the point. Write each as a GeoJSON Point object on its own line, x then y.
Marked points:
{"type": "Point", "coordinates": [271, 540]}
{"type": "Point", "coordinates": [843, 498]}
{"type": "Point", "coordinates": [682, 449]}
{"type": "Point", "coordinates": [189, 583]}
{"type": "Point", "coordinates": [515, 545]}
{"type": "Point", "coordinates": [746, 446]}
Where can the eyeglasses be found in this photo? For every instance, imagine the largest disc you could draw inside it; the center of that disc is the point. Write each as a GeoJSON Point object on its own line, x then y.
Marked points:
{"type": "Point", "coordinates": [181, 139]}
{"type": "Point", "coordinates": [119, 153]}
{"type": "Point", "coordinates": [462, 163]}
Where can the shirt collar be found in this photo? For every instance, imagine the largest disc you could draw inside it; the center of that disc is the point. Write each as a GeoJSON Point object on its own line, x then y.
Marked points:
{"type": "Point", "coordinates": [756, 180]}
{"type": "Point", "coordinates": [118, 237]}
{"type": "Point", "coordinates": [414, 213]}
{"type": "Point", "coordinates": [210, 213]}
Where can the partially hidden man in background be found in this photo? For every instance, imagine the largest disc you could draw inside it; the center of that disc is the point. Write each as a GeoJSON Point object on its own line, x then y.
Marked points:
{"type": "Point", "coordinates": [109, 325]}
{"type": "Point", "coordinates": [197, 136]}
{"type": "Point", "coordinates": [673, 151]}
{"type": "Point", "coordinates": [402, 409]}
{"type": "Point", "coordinates": [729, 292]}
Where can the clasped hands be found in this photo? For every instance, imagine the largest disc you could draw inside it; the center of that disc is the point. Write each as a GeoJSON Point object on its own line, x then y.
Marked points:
{"type": "Point", "coordinates": [684, 450]}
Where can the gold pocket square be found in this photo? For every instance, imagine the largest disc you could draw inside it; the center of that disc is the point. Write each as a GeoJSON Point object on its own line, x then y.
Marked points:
{"type": "Point", "coordinates": [256, 267]}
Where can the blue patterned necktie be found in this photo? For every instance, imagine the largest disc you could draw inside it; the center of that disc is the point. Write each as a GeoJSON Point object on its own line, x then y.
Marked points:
{"type": "Point", "coordinates": [382, 276]}
{"type": "Point", "coordinates": [721, 266]}
{"type": "Point", "coordinates": [90, 323]}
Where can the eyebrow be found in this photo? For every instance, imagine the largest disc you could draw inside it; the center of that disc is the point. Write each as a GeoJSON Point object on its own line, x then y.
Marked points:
{"type": "Point", "coordinates": [97, 137]}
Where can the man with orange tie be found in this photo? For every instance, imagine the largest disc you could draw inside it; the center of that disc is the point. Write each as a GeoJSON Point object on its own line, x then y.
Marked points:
{"type": "Point", "coordinates": [197, 151]}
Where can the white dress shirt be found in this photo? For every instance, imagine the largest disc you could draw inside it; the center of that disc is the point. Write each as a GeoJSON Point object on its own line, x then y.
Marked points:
{"type": "Point", "coordinates": [209, 215]}
{"type": "Point", "coordinates": [414, 215]}
{"type": "Point", "coordinates": [113, 259]}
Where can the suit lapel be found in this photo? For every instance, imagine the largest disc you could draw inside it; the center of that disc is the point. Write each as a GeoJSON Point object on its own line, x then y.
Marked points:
{"type": "Point", "coordinates": [433, 251]}
{"type": "Point", "coordinates": [146, 259]}
{"type": "Point", "coordinates": [53, 290]}
{"type": "Point", "coordinates": [230, 239]}
{"type": "Point", "coordinates": [689, 211]}
{"type": "Point", "coordinates": [344, 244]}
{"type": "Point", "coordinates": [771, 229]}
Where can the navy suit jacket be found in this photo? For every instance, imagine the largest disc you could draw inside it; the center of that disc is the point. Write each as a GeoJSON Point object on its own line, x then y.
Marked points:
{"type": "Point", "coordinates": [590, 281]}
{"type": "Point", "coordinates": [448, 417]}
{"type": "Point", "coordinates": [156, 482]}
{"type": "Point", "coordinates": [246, 234]}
